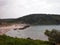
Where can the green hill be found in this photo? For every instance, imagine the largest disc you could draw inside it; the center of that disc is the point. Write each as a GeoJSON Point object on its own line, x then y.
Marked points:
{"type": "Point", "coordinates": [36, 19]}
{"type": "Point", "coordinates": [40, 19]}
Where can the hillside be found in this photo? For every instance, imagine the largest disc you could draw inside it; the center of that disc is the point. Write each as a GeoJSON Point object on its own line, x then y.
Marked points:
{"type": "Point", "coordinates": [40, 19]}
{"type": "Point", "coordinates": [35, 19]}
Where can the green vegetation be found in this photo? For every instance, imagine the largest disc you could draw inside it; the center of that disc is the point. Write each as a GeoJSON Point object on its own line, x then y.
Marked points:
{"type": "Point", "coordinates": [53, 36]}
{"type": "Point", "coordinates": [6, 40]}
{"type": "Point", "coordinates": [40, 19]}
{"type": "Point", "coordinates": [35, 19]}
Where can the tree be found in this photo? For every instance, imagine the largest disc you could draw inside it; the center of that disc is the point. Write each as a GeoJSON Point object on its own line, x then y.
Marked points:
{"type": "Point", "coordinates": [53, 36]}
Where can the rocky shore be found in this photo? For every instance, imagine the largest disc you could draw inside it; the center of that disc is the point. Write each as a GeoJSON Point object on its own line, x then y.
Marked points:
{"type": "Point", "coordinates": [4, 29]}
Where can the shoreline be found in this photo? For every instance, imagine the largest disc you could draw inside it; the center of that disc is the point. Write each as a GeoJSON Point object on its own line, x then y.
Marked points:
{"type": "Point", "coordinates": [4, 29]}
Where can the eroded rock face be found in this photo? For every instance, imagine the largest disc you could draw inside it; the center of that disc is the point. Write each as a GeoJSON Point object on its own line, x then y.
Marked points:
{"type": "Point", "coordinates": [4, 29]}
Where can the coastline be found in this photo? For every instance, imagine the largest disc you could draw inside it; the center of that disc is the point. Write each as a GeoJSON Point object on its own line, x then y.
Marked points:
{"type": "Point", "coordinates": [4, 29]}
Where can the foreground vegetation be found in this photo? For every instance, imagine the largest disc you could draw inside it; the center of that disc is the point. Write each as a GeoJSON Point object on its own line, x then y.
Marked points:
{"type": "Point", "coordinates": [53, 36]}
{"type": "Point", "coordinates": [6, 40]}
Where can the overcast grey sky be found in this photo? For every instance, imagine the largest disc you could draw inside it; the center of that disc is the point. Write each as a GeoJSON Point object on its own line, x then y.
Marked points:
{"type": "Point", "coordinates": [18, 8]}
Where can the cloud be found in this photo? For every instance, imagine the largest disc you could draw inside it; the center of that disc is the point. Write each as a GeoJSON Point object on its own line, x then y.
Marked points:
{"type": "Point", "coordinates": [2, 2]}
{"type": "Point", "coordinates": [18, 8]}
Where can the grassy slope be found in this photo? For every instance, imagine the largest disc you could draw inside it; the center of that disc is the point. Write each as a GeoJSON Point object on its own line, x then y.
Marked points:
{"type": "Point", "coordinates": [6, 40]}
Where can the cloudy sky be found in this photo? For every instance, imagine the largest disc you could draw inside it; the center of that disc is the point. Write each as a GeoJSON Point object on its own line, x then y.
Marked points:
{"type": "Point", "coordinates": [18, 8]}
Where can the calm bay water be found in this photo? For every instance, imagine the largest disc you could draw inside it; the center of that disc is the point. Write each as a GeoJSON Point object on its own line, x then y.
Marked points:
{"type": "Point", "coordinates": [34, 32]}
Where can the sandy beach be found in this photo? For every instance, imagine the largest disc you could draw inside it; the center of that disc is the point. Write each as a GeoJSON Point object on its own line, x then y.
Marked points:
{"type": "Point", "coordinates": [4, 29]}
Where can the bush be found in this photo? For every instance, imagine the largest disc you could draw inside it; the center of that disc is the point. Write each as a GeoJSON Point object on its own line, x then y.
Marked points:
{"type": "Point", "coordinates": [6, 40]}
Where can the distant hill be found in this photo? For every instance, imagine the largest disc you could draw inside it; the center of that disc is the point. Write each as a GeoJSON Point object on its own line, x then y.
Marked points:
{"type": "Point", "coordinates": [7, 21]}
{"type": "Point", "coordinates": [40, 19]}
{"type": "Point", "coordinates": [36, 19]}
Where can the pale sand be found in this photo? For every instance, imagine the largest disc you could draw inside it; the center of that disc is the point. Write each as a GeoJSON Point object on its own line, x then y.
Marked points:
{"type": "Point", "coordinates": [4, 29]}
